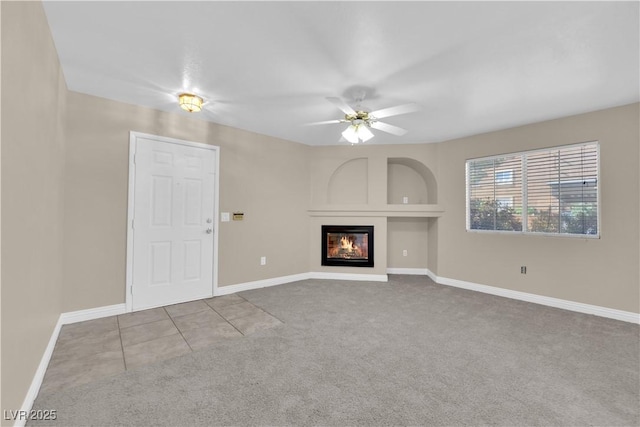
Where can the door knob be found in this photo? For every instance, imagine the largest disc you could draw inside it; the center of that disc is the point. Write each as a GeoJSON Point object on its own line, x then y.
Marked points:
{"type": "Point", "coordinates": [209, 230]}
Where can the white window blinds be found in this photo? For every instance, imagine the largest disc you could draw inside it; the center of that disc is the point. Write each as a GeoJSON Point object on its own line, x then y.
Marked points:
{"type": "Point", "coordinates": [543, 191]}
{"type": "Point", "coordinates": [562, 194]}
{"type": "Point", "coordinates": [490, 182]}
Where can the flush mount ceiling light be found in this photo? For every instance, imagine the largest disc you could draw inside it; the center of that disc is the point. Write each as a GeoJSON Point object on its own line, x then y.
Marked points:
{"type": "Point", "coordinates": [190, 102]}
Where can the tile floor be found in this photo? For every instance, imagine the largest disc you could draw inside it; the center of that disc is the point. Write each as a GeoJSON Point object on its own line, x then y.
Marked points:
{"type": "Point", "coordinates": [88, 351]}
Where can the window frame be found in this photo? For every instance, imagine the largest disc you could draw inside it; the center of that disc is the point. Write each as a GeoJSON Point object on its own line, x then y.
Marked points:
{"type": "Point", "coordinates": [524, 178]}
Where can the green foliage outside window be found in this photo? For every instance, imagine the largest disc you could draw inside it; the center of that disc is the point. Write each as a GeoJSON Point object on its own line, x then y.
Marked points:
{"type": "Point", "coordinates": [487, 214]}
{"type": "Point", "coordinates": [574, 220]}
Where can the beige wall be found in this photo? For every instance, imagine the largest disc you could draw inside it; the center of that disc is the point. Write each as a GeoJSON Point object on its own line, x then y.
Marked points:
{"type": "Point", "coordinates": [432, 244]}
{"type": "Point", "coordinates": [328, 160]}
{"type": "Point", "coordinates": [64, 184]}
{"type": "Point", "coordinates": [408, 234]}
{"type": "Point", "coordinates": [403, 181]}
{"type": "Point", "coordinates": [601, 271]}
{"type": "Point", "coordinates": [386, 173]}
{"type": "Point", "coordinates": [32, 195]}
{"type": "Point", "coordinates": [349, 183]}
{"type": "Point", "coordinates": [266, 178]}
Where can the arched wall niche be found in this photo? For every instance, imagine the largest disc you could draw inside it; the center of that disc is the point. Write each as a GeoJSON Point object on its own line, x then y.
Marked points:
{"type": "Point", "coordinates": [410, 178]}
{"type": "Point", "coordinates": [349, 183]}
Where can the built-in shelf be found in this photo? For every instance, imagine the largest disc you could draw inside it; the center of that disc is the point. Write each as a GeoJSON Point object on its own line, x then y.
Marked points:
{"type": "Point", "coordinates": [415, 211]}
{"type": "Point", "coordinates": [410, 182]}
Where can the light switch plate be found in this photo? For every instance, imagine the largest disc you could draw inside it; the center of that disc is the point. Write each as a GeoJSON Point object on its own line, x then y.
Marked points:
{"type": "Point", "coordinates": [224, 216]}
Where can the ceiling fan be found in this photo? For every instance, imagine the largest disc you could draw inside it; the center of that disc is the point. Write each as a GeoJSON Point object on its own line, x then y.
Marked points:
{"type": "Point", "coordinates": [360, 120]}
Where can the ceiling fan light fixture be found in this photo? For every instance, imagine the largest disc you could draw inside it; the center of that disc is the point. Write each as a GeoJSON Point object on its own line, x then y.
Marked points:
{"type": "Point", "coordinates": [364, 133]}
{"type": "Point", "coordinates": [357, 132]}
{"type": "Point", "coordinates": [351, 134]}
{"type": "Point", "coordinates": [190, 102]}
{"type": "Point", "coordinates": [361, 120]}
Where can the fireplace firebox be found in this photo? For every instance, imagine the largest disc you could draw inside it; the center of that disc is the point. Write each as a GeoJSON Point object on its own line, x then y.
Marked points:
{"type": "Point", "coordinates": [347, 245]}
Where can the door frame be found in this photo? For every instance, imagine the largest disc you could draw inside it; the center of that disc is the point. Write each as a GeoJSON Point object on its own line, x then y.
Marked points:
{"type": "Point", "coordinates": [133, 136]}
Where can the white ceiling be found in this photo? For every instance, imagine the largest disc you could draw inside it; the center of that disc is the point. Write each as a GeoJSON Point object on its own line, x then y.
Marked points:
{"type": "Point", "coordinates": [267, 67]}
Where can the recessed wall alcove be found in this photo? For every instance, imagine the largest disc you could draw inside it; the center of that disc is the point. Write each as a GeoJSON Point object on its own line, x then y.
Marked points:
{"type": "Point", "coordinates": [369, 190]}
{"type": "Point", "coordinates": [408, 178]}
{"type": "Point", "coordinates": [349, 183]}
{"type": "Point", "coordinates": [379, 186]}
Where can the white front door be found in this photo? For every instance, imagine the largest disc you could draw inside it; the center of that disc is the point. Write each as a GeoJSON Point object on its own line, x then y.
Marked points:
{"type": "Point", "coordinates": [173, 222]}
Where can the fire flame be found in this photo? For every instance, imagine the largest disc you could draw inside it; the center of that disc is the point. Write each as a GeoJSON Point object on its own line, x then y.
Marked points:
{"type": "Point", "coordinates": [347, 244]}
{"type": "Point", "coordinates": [345, 247]}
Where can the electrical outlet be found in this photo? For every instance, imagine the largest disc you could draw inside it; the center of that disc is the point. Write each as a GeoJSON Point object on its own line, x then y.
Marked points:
{"type": "Point", "coordinates": [523, 269]}
{"type": "Point", "coordinates": [405, 200]}
{"type": "Point", "coordinates": [405, 252]}
{"type": "Point", "coordinates": [263, 260]}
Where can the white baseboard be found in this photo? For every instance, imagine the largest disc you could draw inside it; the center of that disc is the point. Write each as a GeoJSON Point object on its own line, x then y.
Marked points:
{"type": "Point", "coordinates": [349, 276]}
{"type": "Point", "coordinates": [232, 289]}
{"type": "Point", "coordinates": [596, 310]}
{"type": "Point", "coordinates": [92, 313]}
{"type": "Point", "coordinates": [63, 319]}
{"type": "Point", "coordinates": [34, 389]}
{"type": "Point", "coordinates": [432, 275]}
{"type": "Point", "coordinates": [625, 316]}
{"type": "Point", "coordinates": [411, 271]}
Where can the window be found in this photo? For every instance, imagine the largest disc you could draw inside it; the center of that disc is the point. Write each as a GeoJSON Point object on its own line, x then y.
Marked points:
{"type": "Point", "coordinates": [550, 191]}
{"type": "Point", "coordinates": [492, 205]}
{"type": "Point", "coordinates": [504, 177]}
{"type": "Point", "coordinates": [504, 202]}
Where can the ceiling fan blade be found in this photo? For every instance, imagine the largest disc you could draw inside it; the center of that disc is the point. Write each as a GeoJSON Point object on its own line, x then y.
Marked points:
{"type": "Point", "coordinates": [386, 127]}
{"type": "Point", "coordinates": [326, 122]}
{"type": "Point", "coordinates": [341, 105]}
{"type": "Point", "coordinates": [395, 111]}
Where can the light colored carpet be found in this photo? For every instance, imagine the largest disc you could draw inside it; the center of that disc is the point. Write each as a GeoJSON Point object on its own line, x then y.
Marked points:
{"type": "Point", "coordinates": [406, 352]}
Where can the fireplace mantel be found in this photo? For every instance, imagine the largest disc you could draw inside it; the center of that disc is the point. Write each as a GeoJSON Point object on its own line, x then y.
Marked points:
{"type": "Point", "coordinates": [414, 210]}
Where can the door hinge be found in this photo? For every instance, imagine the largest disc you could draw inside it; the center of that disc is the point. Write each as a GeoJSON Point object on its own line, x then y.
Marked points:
{"type": "Point", "coordinates": [133, 224]}
{"type": "Point", "coordinates": [131, 290]}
